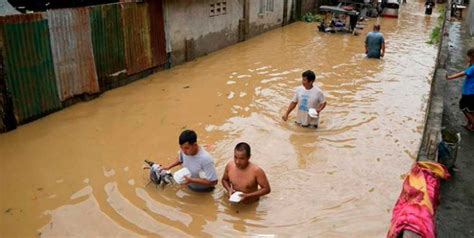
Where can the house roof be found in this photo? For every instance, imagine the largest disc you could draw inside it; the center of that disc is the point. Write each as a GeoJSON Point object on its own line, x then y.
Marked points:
{"type": "Point", "coordinates": [7, 9]}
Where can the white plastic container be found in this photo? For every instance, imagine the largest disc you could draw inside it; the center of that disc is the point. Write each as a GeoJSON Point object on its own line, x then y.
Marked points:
{"type": "Point", "coordinates": [179, 175]}
{"type": "Point", "coordinates": [313, 113]}
{"type": "Point", "coordinates": [235, 197]}
{"type": "Point", "coordinates": [202, 174]}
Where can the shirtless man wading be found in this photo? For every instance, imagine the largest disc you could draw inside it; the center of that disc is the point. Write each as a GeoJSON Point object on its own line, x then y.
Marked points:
{"type": "Point", "coordinates": [244, 176]}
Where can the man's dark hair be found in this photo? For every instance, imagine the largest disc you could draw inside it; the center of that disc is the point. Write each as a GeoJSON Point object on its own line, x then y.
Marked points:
{"type": "Point", "coordinates": [376, 27]}
{"type": "Point", "coordinates": [242, 146]}
{"type": "Point", "coordinates": [188, 136]}
{"type": "Point", "coordinates": [308, 74]}
{"type": "Point", "coordinates": [470, 53]}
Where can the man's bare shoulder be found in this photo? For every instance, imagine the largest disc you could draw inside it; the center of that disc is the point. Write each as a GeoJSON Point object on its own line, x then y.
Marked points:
{"type": "Point", "coordinates": [256, 169]}
{"type": "Point", "coordinates": [230, 165]}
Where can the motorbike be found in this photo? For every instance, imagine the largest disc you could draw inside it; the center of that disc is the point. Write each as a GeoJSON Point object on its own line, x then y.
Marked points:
{"type": "Point", "coordinates": [158, 175]}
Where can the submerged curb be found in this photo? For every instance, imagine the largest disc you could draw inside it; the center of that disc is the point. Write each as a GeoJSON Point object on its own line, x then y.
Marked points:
{"type": "Point", "coordinates": [428, 150]}
{"type": "Point", "coordinates": [434, 114]}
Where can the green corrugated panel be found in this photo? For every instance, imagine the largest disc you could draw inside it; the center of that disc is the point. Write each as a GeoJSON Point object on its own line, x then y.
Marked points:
{"type": "Point", "coordinates": [29, 69]}
{"type": "Point", "coordinates": [107, 39]}
{"type": "Point", "coordinates": [2, 90]}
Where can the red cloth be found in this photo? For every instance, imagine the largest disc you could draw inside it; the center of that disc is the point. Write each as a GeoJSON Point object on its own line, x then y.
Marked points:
{"type": "Point", "coordinates": [348, 8]}
{"type": "Point", "coordinates": [416, 206]}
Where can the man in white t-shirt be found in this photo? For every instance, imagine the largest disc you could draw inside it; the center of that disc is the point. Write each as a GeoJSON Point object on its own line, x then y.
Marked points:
{"type": "Point", "coordinates": [201, 165]}
{"type": "Point", "coordinates": [307, 97]}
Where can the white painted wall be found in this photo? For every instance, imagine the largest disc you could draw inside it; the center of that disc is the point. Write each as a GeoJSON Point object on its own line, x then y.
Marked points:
{"type": "Point", "coordinates": [261, 22]}
{"type": "Point", "coordinates": [189, 19]}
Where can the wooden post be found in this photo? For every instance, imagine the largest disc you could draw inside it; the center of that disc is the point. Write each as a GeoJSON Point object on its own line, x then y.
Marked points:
{"type": "Point", "coordinates": [241, 30]}
{"type": "Point", "coordinates": [246, 15]}
{"type": "Point", "coordinates": [298, 9]}
{"type": "Point", "coordinates": [285, 13]}
{"type": "Point", "coordinates": [189, 49]}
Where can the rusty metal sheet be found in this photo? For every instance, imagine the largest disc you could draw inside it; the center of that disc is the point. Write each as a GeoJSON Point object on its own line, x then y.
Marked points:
{"type": "Point", "coordinates": [21, 18]}
{"type": "Point", "coordinates": [29, 71]}
{"type": "Point", "coordinates": [107, 40]}
{"type": "Point", "coordinates": [157, 32]}
{"type": "Point", "coordinates": [136, 23]}
{"type": "Point", "coordinates": [72, 52]}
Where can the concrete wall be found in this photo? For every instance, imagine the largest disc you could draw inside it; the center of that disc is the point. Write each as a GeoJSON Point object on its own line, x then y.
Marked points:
{"type": "Point", "coordinates": [190, 20]}
{"type": "Point", "coordinates": [268, 20]}
{"type": "Point", "coordinates": [471, 17]}
{"type": "Point", "coordinates": [191, 31]}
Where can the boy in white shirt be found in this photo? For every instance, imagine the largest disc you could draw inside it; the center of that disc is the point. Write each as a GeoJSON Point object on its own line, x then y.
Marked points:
{"type": "Point", "coordinates": [307, 96]}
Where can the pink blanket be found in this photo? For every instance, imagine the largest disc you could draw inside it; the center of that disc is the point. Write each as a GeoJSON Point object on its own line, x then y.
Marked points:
{"type": "Point", "coordinates": [415, 208]}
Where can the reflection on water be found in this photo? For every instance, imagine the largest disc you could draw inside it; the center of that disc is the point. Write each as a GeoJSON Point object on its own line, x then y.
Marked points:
{"type": "Point", "coordinates": [79, 171]}
{"type": "Point", "coordinates": [64, 222]}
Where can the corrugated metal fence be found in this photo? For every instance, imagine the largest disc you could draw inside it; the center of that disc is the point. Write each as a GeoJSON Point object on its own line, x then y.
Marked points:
{"type": "Point", "coordinates": [107, 40]}
{"type": "Point", "coordinates": [29, 69]}
{"type": "Point", "coordinates": [157, 31]}
{"type": "Point", "coordinates": [136, 25]}
{"type": "Point", "coordinates": [72, 52]}
{"type": "Point", "coordinates": [51, 57]}
{"type": "Point", "coordinates": [3, 91]}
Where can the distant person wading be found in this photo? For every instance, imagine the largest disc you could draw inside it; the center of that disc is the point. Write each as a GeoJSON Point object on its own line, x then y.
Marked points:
{"type": "Point", "coordinates": [375, 43]}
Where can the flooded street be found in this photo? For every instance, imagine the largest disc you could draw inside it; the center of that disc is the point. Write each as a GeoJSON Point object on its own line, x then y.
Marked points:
{"type": "Point", "coordinates": [79, 171]}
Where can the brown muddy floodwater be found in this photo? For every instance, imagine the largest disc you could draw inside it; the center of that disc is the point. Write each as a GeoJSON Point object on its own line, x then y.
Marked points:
{"type": "Point", "coordinates": [78, 172]}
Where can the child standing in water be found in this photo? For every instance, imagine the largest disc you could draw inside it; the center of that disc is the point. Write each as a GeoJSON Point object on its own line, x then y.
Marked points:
{"type": "Point", "coordinates": [467, 99]}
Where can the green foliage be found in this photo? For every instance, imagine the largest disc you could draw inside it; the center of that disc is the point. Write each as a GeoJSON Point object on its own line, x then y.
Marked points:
{"type": "Point", "coordinates": [436, 34]}
{"type": "Point", "coordinates": [435, 37]}
{"type": "Point", "coordinates": [309, 17]}
{"type": "Point", "coordinates": [441, 10]}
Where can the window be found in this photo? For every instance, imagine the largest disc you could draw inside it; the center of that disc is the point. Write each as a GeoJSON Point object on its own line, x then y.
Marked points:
{"type": "Point", "coordinates": [261, 10]}
{"type": "Point", "coordinates": [270, 5]}
{"type": "Point", "coordinates": [212, 10]}
{"type": "Point", "coordinates": [224, 8]}
{"type": "Point", "coordinates": [265, 6]}
{"type": "Point", "coordinates": [218, 8]}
